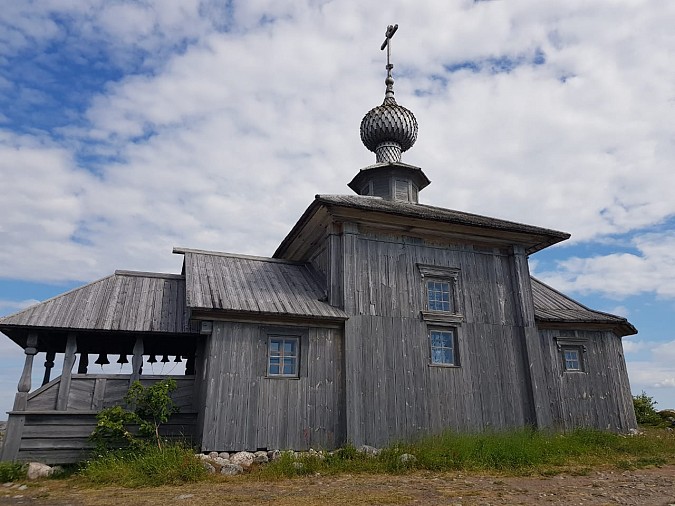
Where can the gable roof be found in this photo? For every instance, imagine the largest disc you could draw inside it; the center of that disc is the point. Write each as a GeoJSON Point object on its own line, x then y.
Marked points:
{"type": "Point", "coordinates": [125, 301]}
{"type": "Point", "coordinates": [533, 238]}
{"type": "Point", "coordinates": [551, 306]}
{"type": "Point", "coordinates": [256, 285]}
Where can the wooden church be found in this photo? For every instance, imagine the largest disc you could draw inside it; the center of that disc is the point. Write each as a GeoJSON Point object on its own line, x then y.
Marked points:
{"type": "Point", "coordinates": [377, 319]}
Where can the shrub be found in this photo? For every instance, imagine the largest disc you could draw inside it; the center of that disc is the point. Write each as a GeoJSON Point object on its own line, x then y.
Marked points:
{"type": "Point", "coordinates": [152, 406]}
{"type": "Point", "coordinates": [11, 471]}
{"type": "Point", "coordinates": [644, 410]}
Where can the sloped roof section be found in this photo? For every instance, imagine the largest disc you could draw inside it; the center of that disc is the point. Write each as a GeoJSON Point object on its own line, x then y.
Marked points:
{"type": "Point", "coordinates": [534, 238]}
{"type": "Point", "coordinates": [125, 301]}
{"type": "Point", "coordinates": [255, 285]}
{"type": "Point", "coordinates": [552, 306]}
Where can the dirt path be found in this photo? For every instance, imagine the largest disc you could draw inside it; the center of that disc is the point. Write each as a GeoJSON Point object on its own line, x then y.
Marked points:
{"type": "Point", "coordinates": [642, 487]}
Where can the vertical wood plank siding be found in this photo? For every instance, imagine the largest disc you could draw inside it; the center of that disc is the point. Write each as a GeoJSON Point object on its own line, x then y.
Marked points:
{"type": "Point", "coordinates": [598, 397]}
{"type": "Point", "coordinates": [392, 390]}
{"type": "Point", "coordinates": [247, 410]}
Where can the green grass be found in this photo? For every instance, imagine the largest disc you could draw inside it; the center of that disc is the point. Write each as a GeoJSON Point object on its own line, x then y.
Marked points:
{"type": "Point", "coordinates": [146, 467]}
{"type": "Point", "coordinates": [517, 452]}
{"type": "Point", "coordinates": [520, 452]}
{"type": "Point", "coordinates": [11, 471]}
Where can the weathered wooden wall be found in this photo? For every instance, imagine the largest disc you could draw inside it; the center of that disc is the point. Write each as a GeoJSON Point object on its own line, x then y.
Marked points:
{"type": "Point", "coordinates": [392, 390]}
{"type": "Point", "coordinates": [58, 437]}
{"type": "Point", "coordinates": [63, 437]}
{"type": "Point", "coordinates": [598, 397]}
{"type": "Point", "coordinates": [245, 410]}
{"type": "Point", "coordinates": [98, 391]}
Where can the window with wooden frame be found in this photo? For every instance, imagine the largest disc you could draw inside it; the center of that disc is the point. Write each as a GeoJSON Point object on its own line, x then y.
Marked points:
{"type": "Point", "coordinates": [443, 344]}
{"type": "Point", "coordinates": [572, 357]}
{"type": "Point", "coordinates": [283, 356]}
{"type": "Point", "coordinates": [440, 289]}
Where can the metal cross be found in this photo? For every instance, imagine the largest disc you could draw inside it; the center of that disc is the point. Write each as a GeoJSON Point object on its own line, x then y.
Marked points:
{"type": "Point", "coordinates": [391, 30]}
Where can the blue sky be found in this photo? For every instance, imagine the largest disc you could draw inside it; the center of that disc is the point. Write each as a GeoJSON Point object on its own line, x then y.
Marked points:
{"type": "Point", "coordinates": [131, 127]}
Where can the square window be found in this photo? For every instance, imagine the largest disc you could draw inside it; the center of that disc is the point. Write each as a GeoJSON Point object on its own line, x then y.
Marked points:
{"type": "Point", "coordinates": [283, 356]}
{"type": "Point", "coordinates": [572, 358]}
{"type": "Point", "coordinates": [438, 296]}
{"type": "Point", "coordinates": [443, 347]}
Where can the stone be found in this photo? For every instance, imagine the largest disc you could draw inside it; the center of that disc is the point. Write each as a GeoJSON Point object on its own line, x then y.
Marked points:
{"type": "Point", "coordinates": [371, 451]}
{"type": "Point", "coordinates": [298, 466]}
{"type": "Point", "coordinates": [220, 461]}
{"type": "Point", "coordinates": [407, 458]}
{"type": "Point", "coordinates": [274, 455]}
{"type": "Point", "coordinates": [201, 456]}
{"type": "Point", "coordinates": [231, 469]}
{"type": "Point", "coordinates": [209, 468]}
{"type": "Point", "coordinates": [22, 487]}
{"type": "Point", "coordinates": [260, 457]}
{"type": "Point", "coordinates": [182, 497]}
{"type": "Point", "coordinates": [37, 470]}
{"type": "Point", "coordinates": [213, 455]}
{"type": "Point", "coordinates": [244, 459]}
{"type": "Point", "coordinates": [224, 455]}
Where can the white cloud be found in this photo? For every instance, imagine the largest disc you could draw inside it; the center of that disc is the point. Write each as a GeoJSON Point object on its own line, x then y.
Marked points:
{"type": "Point", "coordinates": [652, 269]}
{"type": "Point", "coordinates": [11, 306]}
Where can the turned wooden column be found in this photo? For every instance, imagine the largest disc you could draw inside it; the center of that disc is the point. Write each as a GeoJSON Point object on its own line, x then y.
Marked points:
{"type": "Point", "coordinates": [25, 380]}
{"type": "Point", "coordinates": [49, 364]}
{"type": "Point", "coordinates": [66, 374]}
{"type": "Point", "coordinates": [17, 419]}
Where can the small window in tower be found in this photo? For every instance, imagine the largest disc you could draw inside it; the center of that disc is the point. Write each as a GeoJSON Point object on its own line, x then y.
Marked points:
{"type": "Point", "coordinates": [401, 187]}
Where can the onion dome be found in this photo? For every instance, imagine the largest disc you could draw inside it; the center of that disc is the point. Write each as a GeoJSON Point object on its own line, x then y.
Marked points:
{"type": "Point", "coordinates": [389, 129]}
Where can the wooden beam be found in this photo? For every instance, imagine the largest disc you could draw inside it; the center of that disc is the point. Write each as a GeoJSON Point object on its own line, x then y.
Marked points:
{"type": "Point", "coordinates": [137, 361]}
{"type": "Point", "coordinates": [49, 364]}
{"type": "Point", "coordinates": [66, 374]}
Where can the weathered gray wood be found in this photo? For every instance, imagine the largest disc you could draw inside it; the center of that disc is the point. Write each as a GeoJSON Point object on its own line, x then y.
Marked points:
{"type": "Point", "coordinates": [248, 410]}
{"type": "Point", "coordinates": [68, 362]}
{"type": "Point", "coordinates": [136, 360]}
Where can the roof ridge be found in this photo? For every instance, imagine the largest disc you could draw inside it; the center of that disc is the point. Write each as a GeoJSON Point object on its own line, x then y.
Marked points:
{"type": "Point", "coordinates": [181, 251]}
{"type": "Point", "coordinates": [143, 274]}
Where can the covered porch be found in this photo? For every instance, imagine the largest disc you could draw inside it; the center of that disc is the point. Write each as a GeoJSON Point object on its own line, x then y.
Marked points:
{"type": "Point", "coordinates": [128, 322]}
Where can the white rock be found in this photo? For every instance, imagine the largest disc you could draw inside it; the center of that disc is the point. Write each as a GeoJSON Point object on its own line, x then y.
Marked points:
{"type": "Point", "coordinates": [407, 458]}
{"type": "Point", "coordinates": [244, 459]}
{"type": "Point", "coordinates": [224, 455]}
{"type": "Point", "coordinates": [201, 456]}
{"type": "Point", "coordinates": [371, 451]}
{"type": "Point", "coordinates": [274, 455]}
{"type": "Point", "coordinates": [213, 455]}
{"type": "Point", "coordinates": [37, 470]}
{"type": "Point", "coordinates": [220, 461]}
{"type": "Point", "coordinates": [260, 457]}
{"type": "Point", "coordinates": [231, 469]}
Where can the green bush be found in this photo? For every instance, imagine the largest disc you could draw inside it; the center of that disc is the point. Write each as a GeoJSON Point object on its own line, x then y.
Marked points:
{"type": "Point", "coordinates": [644, 410]}
{"type": "Point", "coordinates": [148, 466]}
{"type": "Point", "coordinates": [11, 471]}
{"type": "Point", "coordinates": [152, 406]}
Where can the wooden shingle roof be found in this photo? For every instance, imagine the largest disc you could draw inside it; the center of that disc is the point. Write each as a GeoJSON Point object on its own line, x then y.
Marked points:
{"type": "Point", "coordinates": [429, 217]}
{"type": "Point", "coordinates": [551, 306]}
{"type": "Point", "coordinates": [256, 285]}
{"type": "Point", "coordinates": [125, 301]}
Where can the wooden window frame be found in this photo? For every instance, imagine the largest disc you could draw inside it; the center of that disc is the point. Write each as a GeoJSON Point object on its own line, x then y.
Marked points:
{"type": "Point", "coordinates": [283, 338]}
{"type": "Point", "coordinates": [579, 350]}
{"type": "Point", "coordinates": [449, 275]}
{"type": "Point", "coordinates": [454, 332]}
